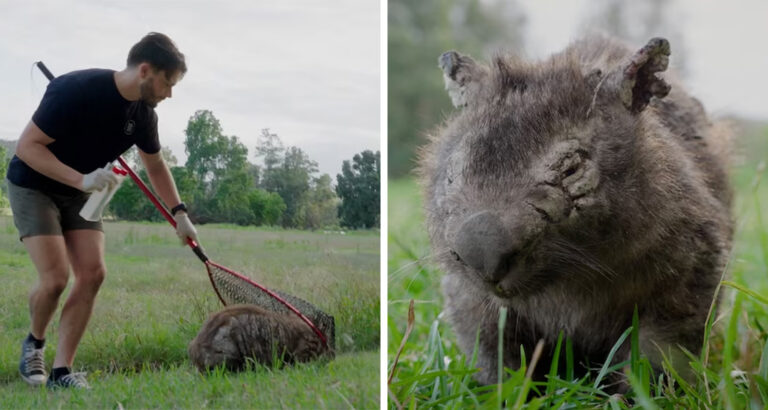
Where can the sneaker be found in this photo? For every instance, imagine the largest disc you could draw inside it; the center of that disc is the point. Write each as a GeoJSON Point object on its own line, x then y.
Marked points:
{"type": "Point", "coordinates": [32, 365]}
{"type": "Point", "coordinates": [71, 380]}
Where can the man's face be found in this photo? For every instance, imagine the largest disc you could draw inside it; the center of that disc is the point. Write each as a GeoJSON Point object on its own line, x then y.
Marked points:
{"type": "Point", "coordinates": [156, 86]}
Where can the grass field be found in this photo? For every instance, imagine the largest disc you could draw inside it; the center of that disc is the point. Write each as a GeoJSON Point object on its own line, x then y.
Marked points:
{"type": "Point", "coordinates": [732, 372]}
{"type": "Point", "coordinates": [157, 295]}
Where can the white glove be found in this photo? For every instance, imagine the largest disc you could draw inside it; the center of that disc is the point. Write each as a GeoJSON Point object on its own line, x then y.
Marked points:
{"type": "Point", "coordinates": [184, 228]}
{"type": "Point", "coordinates": [99, 179]}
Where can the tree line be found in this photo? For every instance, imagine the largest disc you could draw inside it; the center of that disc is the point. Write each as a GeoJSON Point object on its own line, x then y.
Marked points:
{"type": "Point", "coordinates": [220, 185]}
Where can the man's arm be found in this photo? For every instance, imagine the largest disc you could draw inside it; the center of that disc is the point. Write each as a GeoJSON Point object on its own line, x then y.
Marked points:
{"type": "Point", "coordinates": [33, 150]}
{"type": "Point", "coordinates": [161, 178]}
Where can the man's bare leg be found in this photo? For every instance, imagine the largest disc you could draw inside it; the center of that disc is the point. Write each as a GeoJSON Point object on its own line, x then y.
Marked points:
{"type": "Point", "coordinates": [85, 248]}
{"type": "Point", "coordinates": [49, 255]}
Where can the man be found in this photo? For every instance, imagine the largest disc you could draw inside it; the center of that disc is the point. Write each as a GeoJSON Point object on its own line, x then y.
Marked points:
{"type": "Point", "coordinates": [86, 119]}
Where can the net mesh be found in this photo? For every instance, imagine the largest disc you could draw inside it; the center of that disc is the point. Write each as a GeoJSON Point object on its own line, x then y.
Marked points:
{"type": "Point", "coordinates": [235, 290]}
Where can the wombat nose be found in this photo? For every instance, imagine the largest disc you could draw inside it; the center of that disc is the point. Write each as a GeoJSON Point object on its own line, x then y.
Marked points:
{"type": "Point", "coordinates": [483, 243]}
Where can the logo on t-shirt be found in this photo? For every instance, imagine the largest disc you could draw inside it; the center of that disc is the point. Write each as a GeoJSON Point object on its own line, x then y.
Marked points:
{"type": "Point", "coordinates": [129, 127]}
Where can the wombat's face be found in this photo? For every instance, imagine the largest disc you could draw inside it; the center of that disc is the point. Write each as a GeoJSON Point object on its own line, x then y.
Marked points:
{"type": "Point", "coordinates": [210, 349]}
{"type": "Point", "coordinates": [516, 178]}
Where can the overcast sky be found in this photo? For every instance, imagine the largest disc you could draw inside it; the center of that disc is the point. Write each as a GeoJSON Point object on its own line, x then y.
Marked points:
{"type": "Point", "coordinates": [308, 70]}
{"type": "Point", "coordinates": [725, 47]}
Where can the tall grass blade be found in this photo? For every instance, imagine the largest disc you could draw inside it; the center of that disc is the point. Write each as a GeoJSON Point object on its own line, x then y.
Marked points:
{"type": "Point", "coordinates": [500, 354]}
{"type": "Point", "coordinates": [609, 359]}
{"type": "Point", "coordinates": [743, 289]}
{"type": "Point", "coordinates": [408, 330]}
{"type": "Point", "coordinates": [437, 359]}
{"type": "Point", "coordinates": [641, 395]}
{"type": "Point", "coordinates": [762, 373]}
{"type": "Point", "coordinates": [684, 385]}
{"type": "Point", "coordinates": [730, 344]}
{"type": "Point", "coordinates": [523, 395]}
{"type": "Point", "coordinates": [554, 365]}
{"type": "Point", "coordinates": [634, 356]}
{"type": "Point", "coordinates": [464, 384]}
{"type": "Point", "coordinates": [430, 375]}
{"type": "Point", "coordinates": [569, 369]}
{"type": "Point", "coordinates": [704, 357]}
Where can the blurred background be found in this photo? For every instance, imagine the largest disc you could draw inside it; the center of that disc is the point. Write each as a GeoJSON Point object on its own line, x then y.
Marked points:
{"type": "Point", "coordinates": [718, 49]}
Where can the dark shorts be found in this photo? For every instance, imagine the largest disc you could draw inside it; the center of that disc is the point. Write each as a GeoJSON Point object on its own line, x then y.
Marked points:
{"type": "Point", "coordinates": [39, 213]}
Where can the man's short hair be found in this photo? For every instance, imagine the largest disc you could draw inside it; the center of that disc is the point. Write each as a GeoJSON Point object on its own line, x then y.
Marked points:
{"type": "Point", "coordinates": [158, 50]}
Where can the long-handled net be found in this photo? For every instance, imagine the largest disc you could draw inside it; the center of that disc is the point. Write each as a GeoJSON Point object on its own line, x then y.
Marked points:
{"type": "Point", "coordinates": [232, 287]}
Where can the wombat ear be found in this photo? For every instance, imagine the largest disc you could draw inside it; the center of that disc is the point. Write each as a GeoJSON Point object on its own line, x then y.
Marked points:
{"type": "Point", "coordinates": [637, 77]}
{"type": "Point", "coordinates": [461, 75]}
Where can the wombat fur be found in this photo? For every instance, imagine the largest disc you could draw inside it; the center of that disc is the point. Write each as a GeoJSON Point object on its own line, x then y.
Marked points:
{"type": "Point", "coordinates": [571, 191]}
{"type": "Point", "coordinates": [238, 333]}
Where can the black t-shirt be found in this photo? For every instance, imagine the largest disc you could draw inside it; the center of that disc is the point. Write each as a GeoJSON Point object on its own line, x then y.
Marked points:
{"type": "Point", "coordinates": [91, 123]}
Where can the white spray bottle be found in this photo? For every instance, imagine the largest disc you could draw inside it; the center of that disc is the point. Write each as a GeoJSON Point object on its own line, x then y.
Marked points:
{"type": "Point", "coordinates": [95, 205]}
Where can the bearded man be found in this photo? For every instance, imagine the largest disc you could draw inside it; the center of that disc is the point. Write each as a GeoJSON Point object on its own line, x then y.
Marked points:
{"type": "Point", "coordinates": [86, 119]}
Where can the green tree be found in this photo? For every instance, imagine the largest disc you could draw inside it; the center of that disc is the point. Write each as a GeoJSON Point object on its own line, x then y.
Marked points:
{"type": "Point", "coordinates": [419, 31]}
{"type": "Point", "coordinates": [289, 172]}
{"type": "Point", "coordinates": [220, 167]}
{"type": "Point", "coordinates": [271, 148]}
{"type": "Point", "coordinates": [217, 182]}
{"type": "Point", "coordinates": [267, 207]}
{"type": "Point", "coordinates": [255, 172]}
{"type": "Point", "coordinates": [210, 154]}
{"type": "Point", "coordinates": [292, 184]}
{"type": "Point", "coordinates": [230, 201]}
{"type": "Point", "coordinates": [322, 204]}
{"type": "Point", "coordinates": [358, 188]}
{"type": "Point", "coordinates": [203, 134]}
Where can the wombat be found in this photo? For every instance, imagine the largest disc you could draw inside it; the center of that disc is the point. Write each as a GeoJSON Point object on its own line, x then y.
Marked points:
{"type": "Point", "coordinates": [572, 191]}
{"type": "Point", "coordinates": [238, 333]}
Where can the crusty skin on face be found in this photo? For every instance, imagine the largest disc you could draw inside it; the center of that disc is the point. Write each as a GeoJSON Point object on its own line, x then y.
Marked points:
{"type": "Point", "coordinates": [571, 190]}
{"type": "Point", "coordinates": [238, 333]}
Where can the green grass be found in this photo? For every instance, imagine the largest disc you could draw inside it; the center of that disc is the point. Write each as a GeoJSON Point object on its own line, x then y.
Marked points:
{"type": "Point", "coordinates": [157, 295]}
{"type": "Point", "coordinates": [348, 381]}
{"type": "Point", "coordinates": [731, 372]}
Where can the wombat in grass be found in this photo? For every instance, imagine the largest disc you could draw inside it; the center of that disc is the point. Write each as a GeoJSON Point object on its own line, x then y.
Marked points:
{"type": "Point", "coordinates": [240, 332]}
{"type": "Point", "coordinates": [571, 191]}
